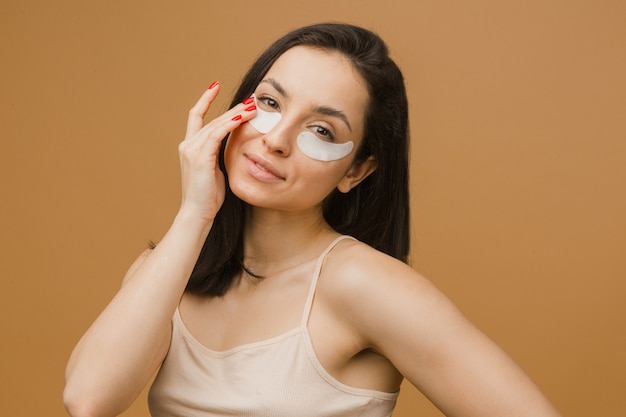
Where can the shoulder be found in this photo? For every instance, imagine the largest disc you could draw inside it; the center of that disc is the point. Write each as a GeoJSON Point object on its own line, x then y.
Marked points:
{"type": "Point", "coordinates": [355, 267]}
{"type": "Point", "coordinates": [368, 287]}
{"type": "Point", "coordinates": [354, 263]}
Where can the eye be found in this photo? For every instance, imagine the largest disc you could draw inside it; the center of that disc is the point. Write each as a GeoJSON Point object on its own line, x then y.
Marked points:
{"type": "Point", "coordinates": [323, 132]}
{"type": "Point", "coordinates": [269, 102]}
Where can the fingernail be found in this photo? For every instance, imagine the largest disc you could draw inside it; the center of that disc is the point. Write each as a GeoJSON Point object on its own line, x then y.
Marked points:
{"type": "Point", "coordinates": [213, 85]}
{"type": "Point", "coordinates": [238, 117]}
{"type": "Point", "coordinates": [250, 108]}
{"type": "Point", "coordinates": [248, 100]}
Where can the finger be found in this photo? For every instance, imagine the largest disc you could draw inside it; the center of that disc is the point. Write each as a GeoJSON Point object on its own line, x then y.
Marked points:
{"type": "Point", "coordinates": [227, 122]}
{"type": "Point", "coordinates": [213, 133]}
{"type": "Point", "coordinates": [195, 120]}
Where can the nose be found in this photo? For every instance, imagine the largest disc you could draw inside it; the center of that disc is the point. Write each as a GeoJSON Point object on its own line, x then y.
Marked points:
{"type": "Point", "coordinates": [279, 140]}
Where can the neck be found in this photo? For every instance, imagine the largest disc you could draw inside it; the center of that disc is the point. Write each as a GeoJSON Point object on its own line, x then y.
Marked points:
{"type": "Point", "coordinates": [275, 240]}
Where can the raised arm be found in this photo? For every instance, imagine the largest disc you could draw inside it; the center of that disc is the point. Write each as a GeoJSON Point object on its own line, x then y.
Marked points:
{"type": "Point", "coordinates": [116, 357]}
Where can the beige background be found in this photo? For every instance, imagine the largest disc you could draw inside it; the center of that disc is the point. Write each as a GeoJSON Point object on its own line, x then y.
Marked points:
{"type": "Point", "coordinates": [518, 168]}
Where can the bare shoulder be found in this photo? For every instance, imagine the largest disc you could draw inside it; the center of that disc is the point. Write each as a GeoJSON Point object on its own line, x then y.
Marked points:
{"type": "Point", "coordinates": [362, 282]}
{"type": "Point", "coordinates": [385, 300]}
{"type": "Point", "coordinates": [355, 267]}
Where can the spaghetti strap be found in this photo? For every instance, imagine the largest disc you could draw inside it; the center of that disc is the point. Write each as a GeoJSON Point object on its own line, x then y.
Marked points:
{"type": "Point", "coordinates": [316, 275]}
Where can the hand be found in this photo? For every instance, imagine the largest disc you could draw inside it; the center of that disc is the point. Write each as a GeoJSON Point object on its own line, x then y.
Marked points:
{"type": "Point", "coordinates": [203, 184]}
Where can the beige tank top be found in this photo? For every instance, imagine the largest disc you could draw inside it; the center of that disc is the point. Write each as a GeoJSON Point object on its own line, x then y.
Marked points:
{"type": "Point", "coordinates": [276, 377]}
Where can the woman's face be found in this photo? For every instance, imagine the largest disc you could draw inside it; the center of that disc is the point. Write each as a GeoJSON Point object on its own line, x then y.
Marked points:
{"type": "Point", "coordinates": [309, 125]}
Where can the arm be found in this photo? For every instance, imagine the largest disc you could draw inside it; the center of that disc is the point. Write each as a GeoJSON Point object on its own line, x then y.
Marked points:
{"type": "Point", "coordinates": [126, 344]}
{"type": "Point", "coordinates": [437, 349]}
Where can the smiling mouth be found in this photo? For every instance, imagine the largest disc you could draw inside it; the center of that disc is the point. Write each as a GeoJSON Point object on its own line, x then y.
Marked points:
{"type": "Point", "coordinates": [261, 172]}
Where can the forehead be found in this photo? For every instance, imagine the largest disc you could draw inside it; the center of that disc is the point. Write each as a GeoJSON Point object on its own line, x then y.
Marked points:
{"type": "Point", "coordinates": [321, 78]}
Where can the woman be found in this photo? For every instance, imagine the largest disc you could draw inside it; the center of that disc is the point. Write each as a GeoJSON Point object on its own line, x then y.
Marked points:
{"type": "Point", "coordinates": [281, 286]}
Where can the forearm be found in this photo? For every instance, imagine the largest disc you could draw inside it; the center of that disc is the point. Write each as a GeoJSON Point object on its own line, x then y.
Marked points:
{"type": "Point", "coordinates": [121, 350]}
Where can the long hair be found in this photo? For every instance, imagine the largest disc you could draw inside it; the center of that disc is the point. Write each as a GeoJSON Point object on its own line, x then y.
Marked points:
{"type": "Point", "coordinates": [376, 211]}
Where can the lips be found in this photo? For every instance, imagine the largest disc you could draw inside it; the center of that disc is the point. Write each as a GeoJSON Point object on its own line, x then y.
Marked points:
{"type": "Point", "coordinates": [262, 169]}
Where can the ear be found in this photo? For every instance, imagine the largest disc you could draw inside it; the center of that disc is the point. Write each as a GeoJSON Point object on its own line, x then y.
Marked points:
{"type": "Point", "coordinates": [356, 174]}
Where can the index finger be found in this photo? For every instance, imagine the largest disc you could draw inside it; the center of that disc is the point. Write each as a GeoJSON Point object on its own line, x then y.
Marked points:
{"type": "Point", "coordinates": [195, 120]}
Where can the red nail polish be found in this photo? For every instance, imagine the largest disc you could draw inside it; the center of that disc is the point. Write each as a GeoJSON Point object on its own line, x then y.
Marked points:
{"type": "Point", "coordinates": [248, 100]}
{"type": "Point", "coordinates": [213, 85]}
{"type": "Point", "coordinates": [238, 117]}
{"type": "Point", "coordinates": [250, 108]}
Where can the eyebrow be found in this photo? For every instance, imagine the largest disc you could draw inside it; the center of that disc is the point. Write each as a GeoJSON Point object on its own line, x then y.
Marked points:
{"type": "Point", "coordinates": [276, 85]}
{"type": "Point", "coordinates": [329, 111]}
{"type": "Point", "coordinates": [325, 110]}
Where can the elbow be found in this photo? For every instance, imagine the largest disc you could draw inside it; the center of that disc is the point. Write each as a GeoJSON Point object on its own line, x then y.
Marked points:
{"type": "Point", "coordinates": [75, 407]}
{"type": "Point", "coordinates": [80, 404]}
{"type": "Point", "coordinates": [82, 399]}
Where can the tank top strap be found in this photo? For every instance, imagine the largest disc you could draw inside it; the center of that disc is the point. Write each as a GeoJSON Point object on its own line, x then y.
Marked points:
{"type": "Point", "coordinates": [316, 275]}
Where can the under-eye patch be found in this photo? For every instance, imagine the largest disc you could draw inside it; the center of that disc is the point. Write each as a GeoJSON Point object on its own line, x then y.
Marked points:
{"type": "Point", "coordinates": [264, 121]}
{"type": "Point", "coordinates": [321, 150]}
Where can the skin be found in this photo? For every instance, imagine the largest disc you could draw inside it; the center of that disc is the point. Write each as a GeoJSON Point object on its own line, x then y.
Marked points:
{"type": "Point", "coordinates": [414, 331]}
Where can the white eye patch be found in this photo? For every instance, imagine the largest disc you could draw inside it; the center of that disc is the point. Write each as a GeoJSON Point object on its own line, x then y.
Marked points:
{"type": "Point", "coordinates": [310, 145]}
{"type": "Point", "coordinates": [264, 121]}
{"type": "Point", "coordinates": [316, 148]}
